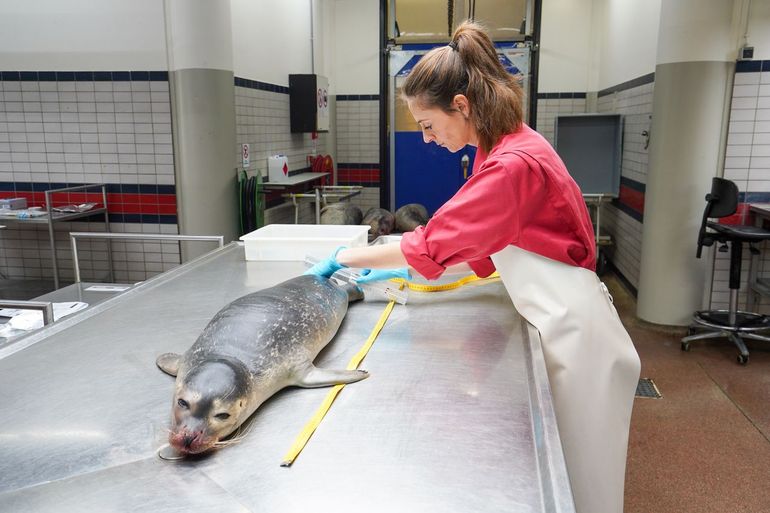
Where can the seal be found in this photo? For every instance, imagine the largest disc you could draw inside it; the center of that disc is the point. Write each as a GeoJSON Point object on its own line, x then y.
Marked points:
{"type": "Point", "coordinates": [252, 348]}
{"type": "Point", "coordinates": [380, 221]}
{"type": "Point", "coordinates": [410, 216]}
{"type": "Point", "coordinates": [342, 213]}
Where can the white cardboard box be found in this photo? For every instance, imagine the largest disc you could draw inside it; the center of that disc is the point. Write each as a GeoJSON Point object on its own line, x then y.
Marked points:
{"type": "Point", "coordinates": [277, 168]}
{"type": "Point", "coordinates": [298, 241]}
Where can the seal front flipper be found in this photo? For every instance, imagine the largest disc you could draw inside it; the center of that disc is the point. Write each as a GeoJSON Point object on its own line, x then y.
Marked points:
{"type": "Point", "coordinates": [315, 377]}
{"type": "Point", "coordinates": [168, 363]}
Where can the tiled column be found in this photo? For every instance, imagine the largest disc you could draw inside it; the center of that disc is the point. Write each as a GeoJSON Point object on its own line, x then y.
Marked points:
{"type": "Point", "coordinates": [200, 56]}
{"type": "Point", "coordinates": [695, 63]}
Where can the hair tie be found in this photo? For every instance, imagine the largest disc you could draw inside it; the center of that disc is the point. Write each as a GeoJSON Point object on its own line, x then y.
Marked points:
{"type": "Point", "coordinates": [453, 45]}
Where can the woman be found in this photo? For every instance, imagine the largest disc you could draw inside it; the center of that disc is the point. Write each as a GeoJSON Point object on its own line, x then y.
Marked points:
{"type": "Point", "coordinates": [522, 214]}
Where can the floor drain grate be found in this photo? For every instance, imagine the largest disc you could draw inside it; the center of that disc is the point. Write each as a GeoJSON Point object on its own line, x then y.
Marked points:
{"type": "Point", "coordinates": [647, 388]}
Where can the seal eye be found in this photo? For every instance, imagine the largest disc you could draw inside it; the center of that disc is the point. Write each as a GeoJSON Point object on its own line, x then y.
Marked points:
{"type": "Point", "coordinates": [222, 416]}
{"type": "Point", "coordinates": [183, 404]}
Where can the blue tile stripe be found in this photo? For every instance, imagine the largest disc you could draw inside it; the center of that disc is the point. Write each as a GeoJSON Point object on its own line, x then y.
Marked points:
{"type": "Point", "coordinates": [560, 96]}
{"type": "Point", "coordinates": [143, 218]}
{"type": "Point", "coordinates": [628, 210]}
{"type": "Point", "coordinates": [754, 197]}
{"type": "Point", "coordinates": [261, 86]}
{"type": "Point", "coordinates": [83, 76]}
{"type": "Point", "coordinates": [751, 66]}
{"type": "Point", "coordinates": [357, 97]}
{"type": "Point", "coordinates": [128, 188]}
{"type": "Point", "coordinates": [639, 81]}
{"type": "Point", "coordinates": [633, 184]}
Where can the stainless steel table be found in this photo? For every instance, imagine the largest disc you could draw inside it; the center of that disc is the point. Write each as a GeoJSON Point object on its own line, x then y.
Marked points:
{"type": "Point", "coordinates": [455, 417]}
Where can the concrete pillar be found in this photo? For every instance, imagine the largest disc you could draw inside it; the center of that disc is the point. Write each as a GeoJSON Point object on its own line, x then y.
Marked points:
{"type": "Point", "coordinates": [200, 56]}
{"type": "Point", "coordinates": [693, 79]}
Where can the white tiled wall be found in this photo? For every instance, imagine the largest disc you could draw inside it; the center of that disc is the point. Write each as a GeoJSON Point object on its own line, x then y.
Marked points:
{"type": "Point", "coordinates": [358, 131]}
{"type": "Point", "coordinates": [626, 233]}
{"type": "Point", "coordinates": [369, 198]}
{"type": "Point", "coordinates": [548, 109]}
{"type": "Point", "coordinates": [262, 121]}
{"type": "Point", "coordinates": [25, 252]}
{"type": "Point", "coordinates": [636, 106]}
{"type": "Point", "coordinates": [114, 132]}
{"type": "Point", "coordinates": [358, 142]}
{"type": "Point", "coordinates": [747, 163]}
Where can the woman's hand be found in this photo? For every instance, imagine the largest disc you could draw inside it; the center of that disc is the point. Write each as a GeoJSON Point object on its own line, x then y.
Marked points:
{"type": "Point", "coordinates": [327, 266]}
{"type": "Point", "coordinates": [371, 275]}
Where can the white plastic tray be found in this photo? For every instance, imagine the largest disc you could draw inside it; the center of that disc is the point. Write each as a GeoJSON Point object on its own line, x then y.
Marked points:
{"type": "Point", "coordinates": [280, 242]}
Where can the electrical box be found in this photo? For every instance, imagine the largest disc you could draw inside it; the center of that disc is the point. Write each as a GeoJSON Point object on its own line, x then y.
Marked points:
{"type": "Point", "coordinates": [746, 53]}
{"type": "Point", "coordinates": [309, 103]}
{"type": "Point", "coordinates": [591, 145]}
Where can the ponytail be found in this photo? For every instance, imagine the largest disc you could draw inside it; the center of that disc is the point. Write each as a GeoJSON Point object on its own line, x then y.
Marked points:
{"type": "Point", "coordinates": [469, 66]}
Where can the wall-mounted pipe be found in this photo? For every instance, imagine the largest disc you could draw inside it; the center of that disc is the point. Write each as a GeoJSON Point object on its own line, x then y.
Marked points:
{"type": "Point", "coordinates": [312, 40]}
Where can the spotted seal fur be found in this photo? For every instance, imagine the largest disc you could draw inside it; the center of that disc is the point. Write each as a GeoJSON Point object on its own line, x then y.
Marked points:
{"type": "Point", "coordinates": [252, 348]}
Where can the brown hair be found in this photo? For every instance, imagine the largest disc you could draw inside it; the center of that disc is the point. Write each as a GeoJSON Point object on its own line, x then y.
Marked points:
{"type": "Point", "coordinates": [469, 65]}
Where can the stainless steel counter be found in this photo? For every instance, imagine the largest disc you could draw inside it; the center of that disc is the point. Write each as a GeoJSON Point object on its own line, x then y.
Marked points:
{"type": "Point", "coordinates": [455, 417]}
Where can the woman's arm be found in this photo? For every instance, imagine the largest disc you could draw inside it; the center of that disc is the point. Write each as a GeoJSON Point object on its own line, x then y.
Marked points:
{"type": "Point", "coordinates": [385, 256]}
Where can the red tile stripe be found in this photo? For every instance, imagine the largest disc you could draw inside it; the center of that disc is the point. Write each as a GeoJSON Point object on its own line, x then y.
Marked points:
{"type": "Point", "coordinates": [358, 175]}
{"type": "Point", "coordinates": [741, 216]}
{"type": "Point", "coordinates": [631, 198]}
{"type": "Point", "coordinates": [118, 203]}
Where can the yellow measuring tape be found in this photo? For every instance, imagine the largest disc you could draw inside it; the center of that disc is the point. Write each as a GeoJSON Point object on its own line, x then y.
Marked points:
{"type": "Point", "coordinates": [311, 426]}
{"type": "Point", "coordinates": [304, 435]}
{"type": "Point", "coordinates": [418, 287]}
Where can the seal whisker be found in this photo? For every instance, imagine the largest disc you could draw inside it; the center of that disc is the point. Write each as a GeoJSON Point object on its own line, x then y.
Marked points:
{"type": "Point", "coordinates": [238, 435]}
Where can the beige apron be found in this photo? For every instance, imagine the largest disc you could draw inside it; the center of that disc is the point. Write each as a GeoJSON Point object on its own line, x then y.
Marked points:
{"type": "Point", "coordinates": [593, 369]}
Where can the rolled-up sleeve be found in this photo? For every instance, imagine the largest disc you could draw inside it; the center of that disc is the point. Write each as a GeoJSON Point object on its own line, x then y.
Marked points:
{"type": "Point", "coordinates": [482, 218]}
{"type": "Point", "coordinates": [483, 267]}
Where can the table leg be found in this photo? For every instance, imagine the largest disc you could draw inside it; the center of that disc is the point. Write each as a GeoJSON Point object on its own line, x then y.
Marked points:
{"type": "Point", "coordinates": [54, 260]}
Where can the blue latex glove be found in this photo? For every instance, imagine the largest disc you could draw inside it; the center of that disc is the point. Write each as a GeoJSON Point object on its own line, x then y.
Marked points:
{"type": "Point", "coordinates": [370, 275]}
{"type": "Point", "coordinates": [327, 266]}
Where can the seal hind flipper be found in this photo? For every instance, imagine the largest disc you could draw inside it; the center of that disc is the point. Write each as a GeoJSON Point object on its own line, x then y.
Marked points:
{"type": "Point", "coordinates": [168, 363]}
{"type": "Point", "coordinates": [315, 377]}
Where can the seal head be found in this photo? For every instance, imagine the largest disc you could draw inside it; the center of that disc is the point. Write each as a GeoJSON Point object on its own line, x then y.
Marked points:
{"type": "Point", "coordinates": [209, 404]}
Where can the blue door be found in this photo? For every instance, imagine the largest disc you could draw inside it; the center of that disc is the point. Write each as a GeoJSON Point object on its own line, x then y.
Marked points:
{"type": "Point", "coordinates": [427, 173]}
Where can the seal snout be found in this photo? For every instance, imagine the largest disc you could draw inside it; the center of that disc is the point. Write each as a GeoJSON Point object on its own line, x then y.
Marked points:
{"type": "Point", "coordinates": [189, 442]}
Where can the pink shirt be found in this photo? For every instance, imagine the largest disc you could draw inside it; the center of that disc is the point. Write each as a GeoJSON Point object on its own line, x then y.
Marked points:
{"type": "Point", "coordinates": [520, 194]}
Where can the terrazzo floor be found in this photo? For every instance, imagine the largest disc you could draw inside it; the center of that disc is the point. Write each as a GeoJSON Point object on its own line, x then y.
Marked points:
{"type": "Point", "coordinates": [704, 446]}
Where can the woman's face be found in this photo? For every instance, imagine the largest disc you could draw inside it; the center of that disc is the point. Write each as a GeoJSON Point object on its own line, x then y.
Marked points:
{"type": "Point", "coordinates": [451, 130]}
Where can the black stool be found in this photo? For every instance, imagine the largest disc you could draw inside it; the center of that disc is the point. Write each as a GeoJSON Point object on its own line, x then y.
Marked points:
{"type": "Point", "coordinates": [733, 324]}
